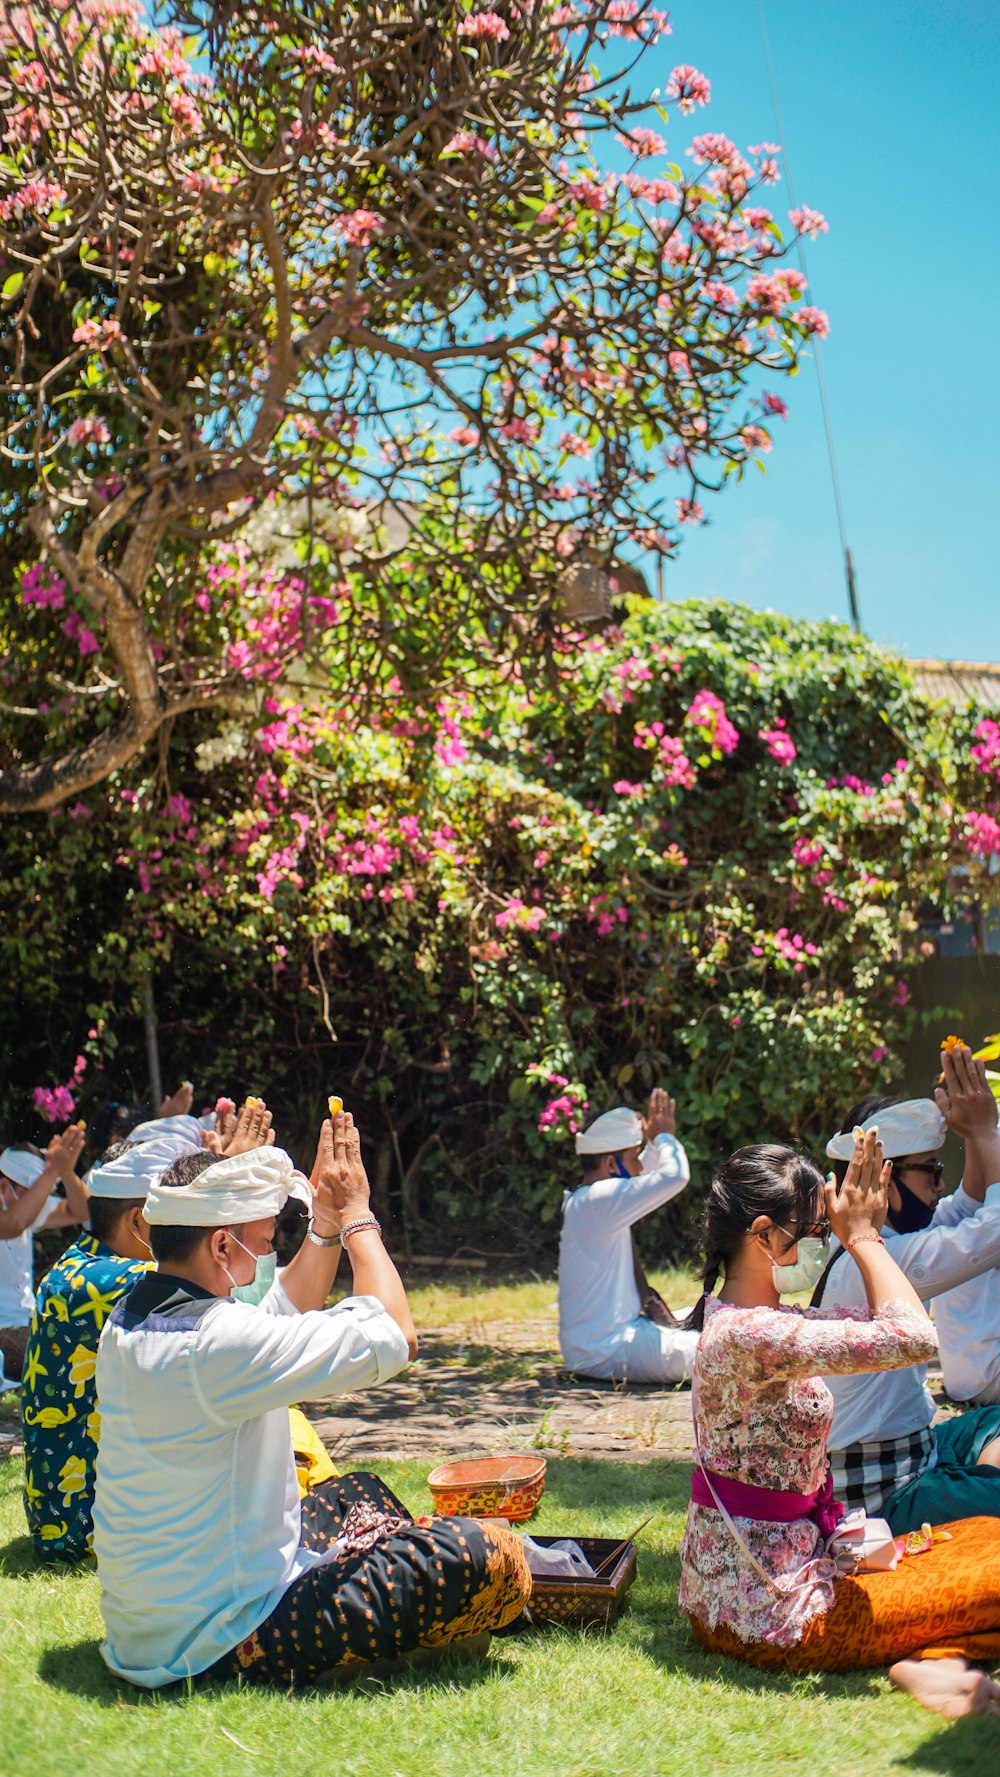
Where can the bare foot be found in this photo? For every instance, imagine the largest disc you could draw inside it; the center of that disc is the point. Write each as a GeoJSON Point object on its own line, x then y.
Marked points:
{"type": "Point", "coordinates": [949, 1687]}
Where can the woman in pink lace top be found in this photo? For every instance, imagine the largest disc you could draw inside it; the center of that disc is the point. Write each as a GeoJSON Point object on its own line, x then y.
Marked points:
{"type": "Point", "coordinates": [756, 1581]}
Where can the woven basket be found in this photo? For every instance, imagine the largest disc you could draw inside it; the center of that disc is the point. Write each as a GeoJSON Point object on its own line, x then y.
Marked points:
{"type": "Point", "coordinates": [488, 1487]}
{"type": "Point", "coordinates": [585, 591]}
{"type": "Point", "coordinates": [584, 1601]}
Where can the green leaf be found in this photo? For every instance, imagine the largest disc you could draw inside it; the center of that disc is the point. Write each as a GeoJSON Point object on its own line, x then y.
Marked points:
{"type": "Point", "coordinates": [12, 285]}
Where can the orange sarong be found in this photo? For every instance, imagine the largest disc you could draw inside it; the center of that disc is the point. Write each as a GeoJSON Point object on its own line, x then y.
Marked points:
{"type": "Point", "coordinates": [946, 1601]}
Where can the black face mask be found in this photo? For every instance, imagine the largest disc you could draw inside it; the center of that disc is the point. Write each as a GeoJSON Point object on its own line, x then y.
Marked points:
{"type": "Point", "coordinates": [913, 1213]}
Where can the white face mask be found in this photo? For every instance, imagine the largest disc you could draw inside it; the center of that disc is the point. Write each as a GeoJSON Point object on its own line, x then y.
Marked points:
{"type": "Point", "coordinates": [265, 1267]}
{"type": "Point", "coordinates": [807, 1270]}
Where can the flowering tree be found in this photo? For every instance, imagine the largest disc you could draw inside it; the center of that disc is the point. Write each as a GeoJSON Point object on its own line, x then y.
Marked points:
{"type": "Point", "coordinates": [363, 258]}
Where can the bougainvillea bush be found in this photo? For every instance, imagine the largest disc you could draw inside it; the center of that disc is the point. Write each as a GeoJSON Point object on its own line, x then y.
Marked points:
{"type": "Point", "coordinates": [695, 856]}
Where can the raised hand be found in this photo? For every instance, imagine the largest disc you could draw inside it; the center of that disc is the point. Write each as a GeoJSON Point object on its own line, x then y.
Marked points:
{"type": "Point", "coordinates": [63, 1151]}
{"type": "Point", "coordinates": [339, 1179]}
{"type": "Point", "coordinates": [965, 1100]}
{"type": "Point", "coordinates": [860, 1204]}
{"type": "Point", "coordinates": [660, 1118]}
{"type": "Point", "coordinates": [178, 1104]}
{"type": "Point", "coordinates": [251, 1129]}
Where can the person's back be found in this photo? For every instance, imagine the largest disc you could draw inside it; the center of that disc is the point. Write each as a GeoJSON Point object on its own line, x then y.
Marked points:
{"type": "Point", "coordinates": [611, 1324]}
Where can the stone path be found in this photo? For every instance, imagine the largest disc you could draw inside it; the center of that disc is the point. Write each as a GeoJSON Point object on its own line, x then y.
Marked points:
{"type": "Point", "coordinates": [466, 1397]}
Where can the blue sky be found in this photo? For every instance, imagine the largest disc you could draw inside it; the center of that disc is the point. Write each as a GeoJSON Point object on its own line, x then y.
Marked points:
{"type": "Point", "coordinates": [892, 127]}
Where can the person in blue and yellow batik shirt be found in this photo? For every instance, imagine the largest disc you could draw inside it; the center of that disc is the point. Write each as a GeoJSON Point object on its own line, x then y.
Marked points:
{"type": "Point", "coordinates": [58, 1396]}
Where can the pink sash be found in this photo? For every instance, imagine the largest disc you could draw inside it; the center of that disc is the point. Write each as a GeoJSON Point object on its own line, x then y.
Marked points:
{"type": "Point", "coordinates": [745, 1501]}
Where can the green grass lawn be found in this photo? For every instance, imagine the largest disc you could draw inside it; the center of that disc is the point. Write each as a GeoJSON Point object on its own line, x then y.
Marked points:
{"type": "Point", "coordinates": [639, 1700]}
{"type": "Point", "coordinates": [480, 1298]}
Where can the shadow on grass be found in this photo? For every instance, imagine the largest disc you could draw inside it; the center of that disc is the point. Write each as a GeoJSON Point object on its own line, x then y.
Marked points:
{"type": "Point", "coordinates": [79, 1669]}
{"type": "Point", "coordinates": [966, 1748]}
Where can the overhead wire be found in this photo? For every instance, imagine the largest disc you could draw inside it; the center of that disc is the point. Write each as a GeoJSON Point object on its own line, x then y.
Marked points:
{"type": "Point", "coordinates": [852, 589]}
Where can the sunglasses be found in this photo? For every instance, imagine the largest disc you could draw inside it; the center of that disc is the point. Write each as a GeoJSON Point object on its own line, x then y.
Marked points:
{"type": "Point", "coordinates": [820, 1230]}
{"type": "Point", "coordinates": [933, 1168]}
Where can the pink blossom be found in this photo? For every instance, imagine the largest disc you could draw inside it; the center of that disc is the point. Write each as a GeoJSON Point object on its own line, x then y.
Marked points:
{"type": "Point", "coordinates": [466, 436]}
{"type": "Point", "coordinates": [755, 438]}
{"type": "Point", "coordinates": [779, 742]}
{"type": "Point", "coordinates": [40, 196]}
{"type": "Point", "coordinates": [807, 851]}
{"type": "Point", "coordinates": [708, 713]}
{"type": "Point", "coordinates": [808, 222]}
{"type": "Point", "coordinates": [987, 751]}
{"type": "Point", "coordinates": [42, 586]}
{"type": "Point", "coordinates": [359, 227]}
{"type": "Point", "coordinates": [688, 87]}
{"type": "Point", "coordinates": [87, 432]}
{"type": "Point", "coordinates": [98, 334]}
{"type": "Point", "coordinates": [689, 511]}
{"type": "Point", "coordinates": [484, 26]}
{"type": "Point", "coordinates": [815, 321]}
{"type": "Point", "coordinates": [624, 788]}
{"type": "Point", "coordinates": [464, 142]}
{"type": "Point", "coordinates": [878, 1054]}
{"type": "Point", "coordinates": [902, 994]}
{"type": "Point", "coordinates": [517, 913]}
{"type": "Point", "coordinates": [982, 835]}
{"type": "Point", "coordinates": [774, 404]}
{"type": "Point", "coordinates": [573, 445]}
{"type": "Point", "coordinates": [643, 143]}
{"type": "Point", "coordinates": [56, 1105]}
{"type": "Point", "coordinates": [521, 431]}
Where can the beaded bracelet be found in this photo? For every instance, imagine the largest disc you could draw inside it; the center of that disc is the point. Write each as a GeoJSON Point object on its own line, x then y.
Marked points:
{"type": "Point", "coordinates": [870, 1235]}
{"type": "Point", "coordinates": [353, 1227]}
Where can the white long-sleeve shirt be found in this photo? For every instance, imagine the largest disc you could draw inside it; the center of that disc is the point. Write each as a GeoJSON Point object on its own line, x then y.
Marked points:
{"type": "Point", "coordinates": [962, 1241]}
{"type": "Point", "coordinates": [196, 1511]}
{"type": "Point", "coordinates": [598, 1297]}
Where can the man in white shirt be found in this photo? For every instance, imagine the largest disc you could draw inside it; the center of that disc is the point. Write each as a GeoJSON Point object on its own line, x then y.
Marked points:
{"type": "Point", "coordinates": [29, 1203]}
{"type": "Point", "coordinates": [885, 1453]}
{"type": "Point", "coordinates": [611, 1323]}
{"type": "Point", "coordinates": [208, 1563]}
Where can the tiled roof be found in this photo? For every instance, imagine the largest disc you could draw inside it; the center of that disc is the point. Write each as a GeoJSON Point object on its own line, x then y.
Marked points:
{"type": "Point", "coordinates": [958, 681]}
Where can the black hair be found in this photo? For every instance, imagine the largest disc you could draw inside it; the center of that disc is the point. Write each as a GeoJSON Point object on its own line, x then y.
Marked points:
{"type": "Point", "coordinates": [871, 1106]}
{"type": "Point", "coordinates": [764, 1180]}
{"type": "Point", "coordinates": [105, 1213]}
{"type": "Point", "coordinates": [178, 1244]}
{"type": "Point", "coordinates": [113, 1122]}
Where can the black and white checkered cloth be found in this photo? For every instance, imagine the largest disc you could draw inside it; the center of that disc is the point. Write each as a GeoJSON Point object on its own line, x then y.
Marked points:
{"type": "Point", "coordinates": [866, 1474]}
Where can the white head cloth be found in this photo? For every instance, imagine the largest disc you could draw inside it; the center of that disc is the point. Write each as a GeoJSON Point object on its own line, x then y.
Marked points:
{"type": "Point", "coordinates": [22, 1168]}
{"type": "Point", "coordinates": [914, 1127]}
{"type": "Point", "coordinates": [130, 1175]}
{"type": "Point", "coordinates": [189, 1127]}
{"type": "Point", "coordinates": [610, 1133]}
{"type": "Point", "coordinates": [239, 1188]}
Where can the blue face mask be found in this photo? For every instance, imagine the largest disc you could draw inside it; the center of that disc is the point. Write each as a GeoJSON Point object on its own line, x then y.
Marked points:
{"type": "Point", "coordinates": [265, 1268]}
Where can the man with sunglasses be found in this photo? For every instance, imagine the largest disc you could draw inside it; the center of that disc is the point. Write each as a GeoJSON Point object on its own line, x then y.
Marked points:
{"type": "Point", "coordinates": [885, 1452]}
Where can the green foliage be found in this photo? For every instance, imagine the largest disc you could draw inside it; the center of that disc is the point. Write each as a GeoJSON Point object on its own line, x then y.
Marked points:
{"type": "Point", "coordinates": [692, 853]}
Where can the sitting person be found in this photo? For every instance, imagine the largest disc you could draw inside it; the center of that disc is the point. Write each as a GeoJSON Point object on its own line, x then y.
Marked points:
{"type": "Point", "coordinates": [756, 1580]}
{"type": "Point", "coordinates": [59, 1399]}
{"type": "Point", "coordinates": [612, 1324]}
{"type": "Point", "coordinates": [29, 1203]}
{"type": "Point", "coordinates": [209, 1564]}
{"type": "Point", "coordinates": [885, 1451]}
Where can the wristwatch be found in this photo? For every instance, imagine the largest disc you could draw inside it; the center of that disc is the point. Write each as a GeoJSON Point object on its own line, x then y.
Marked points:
{"type": "Point", "coordinates": [322, 1239]}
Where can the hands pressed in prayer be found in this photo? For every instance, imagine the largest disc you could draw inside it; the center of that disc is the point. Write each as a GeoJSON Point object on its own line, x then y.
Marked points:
{"type": "Point", "coordinates": [660, 1118]}
{"type": "Point", "coordinates": [859, 1205]}
{"type": "Point", "coordinates": [338, 1178]}
{"type": "Point", "coordinates": [178, 1104]}
{"type": "Point", "coordinates": [965, 1100]}
{"type": "Point", "coordinates": [240, 1134]}
{"type": "Point", "coordinates": [63, 1151]}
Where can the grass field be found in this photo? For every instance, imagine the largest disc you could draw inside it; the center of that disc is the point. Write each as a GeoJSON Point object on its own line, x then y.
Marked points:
{"type": "Point", "coordinates": [639, 1700]}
